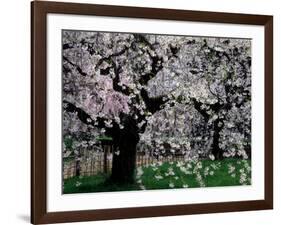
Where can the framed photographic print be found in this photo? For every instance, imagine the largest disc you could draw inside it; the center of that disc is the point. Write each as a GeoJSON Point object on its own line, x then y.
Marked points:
{"type": "Point", "coordinates": [142, 112]}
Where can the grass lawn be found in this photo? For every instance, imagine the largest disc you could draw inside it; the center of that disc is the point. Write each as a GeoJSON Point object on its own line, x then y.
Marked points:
{"type": "Point", "coordinates": [204, 173]}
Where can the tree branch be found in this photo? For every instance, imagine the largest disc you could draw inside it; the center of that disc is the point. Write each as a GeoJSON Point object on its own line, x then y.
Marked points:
{"type": "Point", "coordinates": [82, 115]}
{"type": "Point", "coordinates": [75, 66]}
{"type": "Point", "coordinates": [197, 106]}
{"type": "Point", "coordinates": [152, 104]}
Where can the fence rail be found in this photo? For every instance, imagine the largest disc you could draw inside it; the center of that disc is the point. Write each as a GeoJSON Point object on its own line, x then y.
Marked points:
{"type": "Point", "coordinates": [102, 163]}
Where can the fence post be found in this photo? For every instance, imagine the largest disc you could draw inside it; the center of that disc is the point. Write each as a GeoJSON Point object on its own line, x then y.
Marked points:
{"type": "Point", "coordinates": [77, 164]}
{"type": "Point", "coordinates": [105, 147]}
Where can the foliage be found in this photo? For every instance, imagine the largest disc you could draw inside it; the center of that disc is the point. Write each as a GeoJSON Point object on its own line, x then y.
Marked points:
{"type": "Point", "coordinates": [104, 138]}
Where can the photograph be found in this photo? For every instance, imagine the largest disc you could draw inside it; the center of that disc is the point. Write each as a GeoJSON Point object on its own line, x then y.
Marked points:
{"type": "Point", "coordinates": [142, 111]}
{"type": "Point", "coordinates": [154, 111]}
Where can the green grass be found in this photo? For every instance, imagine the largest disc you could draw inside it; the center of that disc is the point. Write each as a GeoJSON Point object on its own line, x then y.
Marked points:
{"type": "Point", "coordinates": [212, 173]}
{"type": "Point", "coordinates": [97, 183]}
{"type": "Point", "coordinates": [221, 177]}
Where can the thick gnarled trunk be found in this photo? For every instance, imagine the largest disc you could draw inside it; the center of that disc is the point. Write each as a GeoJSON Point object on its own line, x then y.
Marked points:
{"type": "Point", "coordinates": [124, 158]}
{"type": "Point", "coordinates": [124, 163]}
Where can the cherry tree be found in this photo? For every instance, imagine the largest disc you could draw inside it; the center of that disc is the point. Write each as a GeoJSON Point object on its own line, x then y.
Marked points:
{"type": "Point", "coordinates": [168, 93]}
{"type": "Point", "coordinates": [220, 71]}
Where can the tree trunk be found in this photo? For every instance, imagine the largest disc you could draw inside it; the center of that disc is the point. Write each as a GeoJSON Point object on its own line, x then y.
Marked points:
{"type": "Point", "coordinates": [215, 149]}
{"type": "Point", "coordinates": [124, 153]}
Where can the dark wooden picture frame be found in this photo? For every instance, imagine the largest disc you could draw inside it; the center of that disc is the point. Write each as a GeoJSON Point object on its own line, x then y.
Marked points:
{"type": "Point", "coordinates": [39, 11]}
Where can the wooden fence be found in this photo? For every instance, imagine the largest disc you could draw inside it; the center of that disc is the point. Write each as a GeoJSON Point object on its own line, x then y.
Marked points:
{"type": "Point", "coordinates": [102, 163]}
